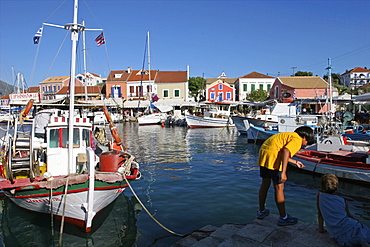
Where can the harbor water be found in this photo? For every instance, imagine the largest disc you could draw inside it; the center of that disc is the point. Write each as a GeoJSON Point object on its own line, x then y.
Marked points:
{"type": "Point", "coordinates": [191, 178]}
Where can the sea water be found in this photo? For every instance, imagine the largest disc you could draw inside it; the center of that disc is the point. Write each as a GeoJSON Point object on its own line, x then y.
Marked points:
{"type": "Point", "coordinates": [190, 178]}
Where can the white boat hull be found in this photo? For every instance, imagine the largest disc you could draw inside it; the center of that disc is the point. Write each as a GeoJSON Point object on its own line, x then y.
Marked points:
{"type": "Point", "coordinates": [151, 119]}
{"type": "Point", "coordinates": [208, 122]}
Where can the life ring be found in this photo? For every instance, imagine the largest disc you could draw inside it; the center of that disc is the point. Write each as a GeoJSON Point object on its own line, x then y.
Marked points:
{"type": "Point", "coordinates": [328, 142]}
{"type": "Point", "coordinates": [27, 109]}
{"type": "Point", "coordinates": [360, 128]}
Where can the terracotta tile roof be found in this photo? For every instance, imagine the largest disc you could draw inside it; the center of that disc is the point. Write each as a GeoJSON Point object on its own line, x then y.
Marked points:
{"type": "Point", "coordinates": [171, 76]}
{"type": "Point", "coordinates": [255, 74]}
{"type": "Point", "coordinates": [357, 69]}
{"type": "Point", "coordinates": [81, 90]}
{"type": "Point", "coordinates": [55, 79]}
{"type": "Point", "coordinates": [303, 82]}
{"type": "Point", "coordinates": [230, 81]}
{"type": "Point", "coordinates": [33, 89]}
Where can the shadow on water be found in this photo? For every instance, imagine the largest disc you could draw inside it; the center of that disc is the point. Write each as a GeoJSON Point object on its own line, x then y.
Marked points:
{"type": "Point", "coordinates": [114, 226]}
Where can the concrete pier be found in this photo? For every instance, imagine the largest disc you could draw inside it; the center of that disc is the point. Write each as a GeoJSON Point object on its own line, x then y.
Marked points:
{"type": "Point", "coordinates": [260, 233]}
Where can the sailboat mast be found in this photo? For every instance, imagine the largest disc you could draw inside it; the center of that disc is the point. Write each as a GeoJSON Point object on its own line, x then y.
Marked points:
{"type": "Point", "coordinates": [84, 52]}
{"type": "Point", "coordinates": [149, 54]}
{"type": "Point", "coordinates": [74, 27]}
{"type": "Point", "coordinates": [330, 88]}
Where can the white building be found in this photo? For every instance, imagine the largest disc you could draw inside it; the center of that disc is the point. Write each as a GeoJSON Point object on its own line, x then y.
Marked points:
{"type": "Point", "coordinates": [253, 81]}
{"type": "Point", "coordinates": [355, 78]}
{"type": "Point", "coordinates": [90, 79]}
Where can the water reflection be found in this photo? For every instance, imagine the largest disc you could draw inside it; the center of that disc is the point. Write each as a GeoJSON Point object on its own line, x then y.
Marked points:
{"type": "Point", "coordinates": [114, 226]}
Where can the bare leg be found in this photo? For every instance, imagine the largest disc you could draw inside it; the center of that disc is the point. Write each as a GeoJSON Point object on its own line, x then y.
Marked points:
{"type": "Point", "coordinates": [280, 199]}
{"type": "Point", "coordinates": [265, 185]}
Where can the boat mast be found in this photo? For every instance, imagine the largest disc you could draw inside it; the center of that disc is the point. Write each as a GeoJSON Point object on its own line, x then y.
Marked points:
{"type": "Point", "coordinates": [331, 112]}
{"type": "Point", "coordinates": [84, 52]}
{"type": "Point", "coordinates": [151, 89]}
{"type": "Point", "coordinates": [74, 28]}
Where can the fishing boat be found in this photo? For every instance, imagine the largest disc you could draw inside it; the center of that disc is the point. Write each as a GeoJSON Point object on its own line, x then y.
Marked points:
{"type": "Point", "coordinates": [211, 115]}
{"type": "Point", "coordinates": [154, 114]}
{"type": "Point", "coordinates": [338, 156]}
{"type": "Point", "coordinates": [59, 173]}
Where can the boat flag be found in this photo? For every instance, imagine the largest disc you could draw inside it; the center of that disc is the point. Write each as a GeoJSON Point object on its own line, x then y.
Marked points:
{"type": "Point", "coordinates": [38, 34]}
{"type": "Point", "coordinates": [100, 39]}
{"type": "Point", "coordinates": [294, 95]}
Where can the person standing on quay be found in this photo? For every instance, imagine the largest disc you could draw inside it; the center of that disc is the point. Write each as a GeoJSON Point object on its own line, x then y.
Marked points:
{"type": "Point", "coordinates": [274, 155]}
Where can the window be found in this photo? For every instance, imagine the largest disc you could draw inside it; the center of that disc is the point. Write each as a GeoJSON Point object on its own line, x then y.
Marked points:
{"type": "Point", "coordinates": [65, 138]}
{"type": "Point", "coordinates": [176, 93]}
{"type": "Point", "coordinates": [165, 93]}
{"type": "Point", "coordinates": [54, 138]}
{"type": "Point", "coordinates": [132, 89]}
{"type": "Point", "coordinates": [58, 87]}
{"type": "Point", "coordinates": [268, 87]}
{"type": "Point", "coordinates": [228, 95]}
{"type": "Point", "coordinates": [253, 87]}
{"type": "Point", "coordinates": [220, 86]}
{"type": "Point", "coordinates": [261, 86]}
{"type": "Point", "coordinates": [245, 87]}
{"type": "Point", "coordinates": [220, 96]}
{"type": "Point", "coordinates": [212, 95]}
{"type": "Point", "coordinates": [277, 92]}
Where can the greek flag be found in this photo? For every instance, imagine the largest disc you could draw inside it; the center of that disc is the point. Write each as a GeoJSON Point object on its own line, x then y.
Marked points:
{"type": "Point", "coordinates": [38, 35]}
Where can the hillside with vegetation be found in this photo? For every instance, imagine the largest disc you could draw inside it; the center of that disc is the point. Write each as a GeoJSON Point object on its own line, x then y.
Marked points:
{"type": "Point", "coordinates": [5, 88]}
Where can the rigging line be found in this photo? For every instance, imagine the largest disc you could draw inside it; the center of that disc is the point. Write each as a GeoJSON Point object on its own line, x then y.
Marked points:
{"type": "Point", "coordinates": [88, 7]}
{"type": "Point", "coordinates": [55, 10]}
{"type": "Point", "coordinates": [60, 47]}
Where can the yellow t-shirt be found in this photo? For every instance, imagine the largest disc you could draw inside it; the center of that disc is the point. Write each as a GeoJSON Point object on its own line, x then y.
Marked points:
{"type": "Point", "coordinates": [269, 152]}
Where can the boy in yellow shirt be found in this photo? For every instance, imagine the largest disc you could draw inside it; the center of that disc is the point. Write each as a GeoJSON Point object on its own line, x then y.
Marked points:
{"type": "Point", "coordinates": [274, 155]}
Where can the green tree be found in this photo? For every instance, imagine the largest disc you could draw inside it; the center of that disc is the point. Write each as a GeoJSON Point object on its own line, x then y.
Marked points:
{"type": "Point", "coordinates": [257, 95]}
{"type": "Point", "coordinates": [196, 86]}
{"type": "Point", "coordinates": [335, 78]}
{"type": "Point", "coordinates": [303, 73]}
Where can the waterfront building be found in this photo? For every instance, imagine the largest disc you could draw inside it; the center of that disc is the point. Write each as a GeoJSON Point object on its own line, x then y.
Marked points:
{"type": "Point", "coordinates": [250, 82]}
{"type": "Point", "coordinates": [355, 78]}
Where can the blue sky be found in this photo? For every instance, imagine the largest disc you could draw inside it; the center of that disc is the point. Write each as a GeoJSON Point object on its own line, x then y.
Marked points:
{"type": "Point", "coordinates": [215, 36]}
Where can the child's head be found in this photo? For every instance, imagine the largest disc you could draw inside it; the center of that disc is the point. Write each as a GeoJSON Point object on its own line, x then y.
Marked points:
{"type": "Point", "coordinates": [329, 183]}
{"type": "Point", "coordinates": [307, 132]}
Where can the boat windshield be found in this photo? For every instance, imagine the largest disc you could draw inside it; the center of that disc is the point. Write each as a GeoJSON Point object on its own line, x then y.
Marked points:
{"type": "Point", "coordinates": [59, 137]}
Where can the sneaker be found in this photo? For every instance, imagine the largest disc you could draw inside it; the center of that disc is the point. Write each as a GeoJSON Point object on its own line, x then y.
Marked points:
{"type": "Point", "coordinates": [288, 221]}
{"type": "Point", "coordinates": [262, 214]}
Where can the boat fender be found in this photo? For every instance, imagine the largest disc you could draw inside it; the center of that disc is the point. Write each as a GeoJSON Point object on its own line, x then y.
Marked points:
{"type": "Point", "coordinates": [27, 108]}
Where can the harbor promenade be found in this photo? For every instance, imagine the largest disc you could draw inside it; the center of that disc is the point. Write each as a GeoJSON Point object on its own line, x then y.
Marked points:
{"type": "Point", "coordinates": [259, 233]}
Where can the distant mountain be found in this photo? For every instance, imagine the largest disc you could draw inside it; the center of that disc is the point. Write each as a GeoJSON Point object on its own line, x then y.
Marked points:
{"type": "Point", "coordinates": [5, 88]}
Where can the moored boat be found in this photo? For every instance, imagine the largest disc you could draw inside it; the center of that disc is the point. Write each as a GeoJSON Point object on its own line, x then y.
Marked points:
{"type": "Point", "coordinates": [214, 115]}
{"type": "Point", "coordinates": [57, 171]}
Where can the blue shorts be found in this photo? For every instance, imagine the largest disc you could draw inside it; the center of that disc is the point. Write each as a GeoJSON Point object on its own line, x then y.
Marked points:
{"type": "Point", "coordinates": [275, 175]}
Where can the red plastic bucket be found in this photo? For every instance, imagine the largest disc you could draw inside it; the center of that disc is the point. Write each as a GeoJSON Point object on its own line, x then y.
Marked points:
{"type": "Point", "coordinates": [110, 161]}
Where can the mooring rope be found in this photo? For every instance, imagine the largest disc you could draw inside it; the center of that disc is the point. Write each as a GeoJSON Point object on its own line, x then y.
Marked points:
{"type": "Point", "coordinates": [64, 210]}
{"type": "Point", "coordinates": [146, 210]}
